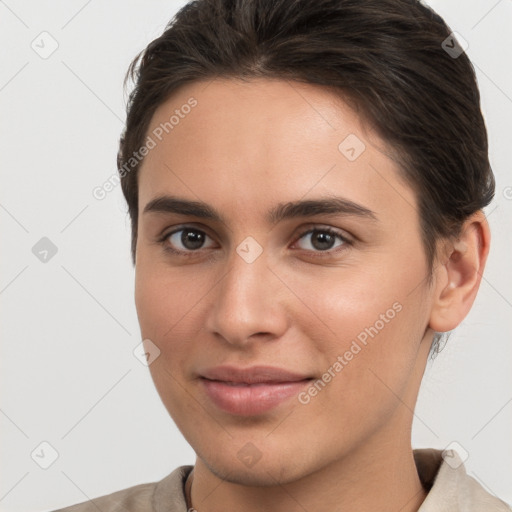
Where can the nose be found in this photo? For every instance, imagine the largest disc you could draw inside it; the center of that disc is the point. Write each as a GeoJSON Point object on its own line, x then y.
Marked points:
{"type": "Point", "coordinates": [247, 303]}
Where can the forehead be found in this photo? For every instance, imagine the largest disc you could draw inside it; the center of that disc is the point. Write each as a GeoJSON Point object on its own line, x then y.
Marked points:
{"type": "Point", "coordinates": [266, 140]}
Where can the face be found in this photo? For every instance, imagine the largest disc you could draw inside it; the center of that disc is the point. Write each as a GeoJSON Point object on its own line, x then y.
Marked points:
{"type": "Point", "coordinates": [291, 311]}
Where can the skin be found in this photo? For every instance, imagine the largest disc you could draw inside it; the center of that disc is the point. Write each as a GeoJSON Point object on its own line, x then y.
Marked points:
{"type": "Point", "coordinates": [244, 148]}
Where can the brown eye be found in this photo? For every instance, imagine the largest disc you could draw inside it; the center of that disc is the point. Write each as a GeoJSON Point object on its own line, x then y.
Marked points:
{"type": "Point", "coordinates": [186, 240]}
{"type": "Point", "coordinates": [322, 239]}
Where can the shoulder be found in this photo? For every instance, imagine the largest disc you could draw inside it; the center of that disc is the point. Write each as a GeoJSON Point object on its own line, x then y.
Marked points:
{"type": "Point", "coordinates": [451, 489]}
{"type": "Point", "coordinates": [133, 498]}
{"type": "Point", "coordinates": [148, 497]}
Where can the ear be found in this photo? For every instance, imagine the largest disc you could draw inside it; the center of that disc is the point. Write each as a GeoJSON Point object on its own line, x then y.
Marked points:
{"type": "Point", "coordinates": [459, 273]}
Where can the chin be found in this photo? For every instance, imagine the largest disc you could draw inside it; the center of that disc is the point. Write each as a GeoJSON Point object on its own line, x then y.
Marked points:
{"type": "Point", "coordinates": [261, 475]}
{"type": "Point", "coordinates": [275, 466]}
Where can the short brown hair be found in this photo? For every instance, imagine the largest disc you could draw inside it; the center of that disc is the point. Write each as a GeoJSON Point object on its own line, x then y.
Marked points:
{"type": "Point", "coordinates": [386, 56]}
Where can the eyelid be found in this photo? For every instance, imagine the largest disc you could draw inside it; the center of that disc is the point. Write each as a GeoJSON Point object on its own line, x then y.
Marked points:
{"type": "Point", "coordinates": [179, 227]}
{"type": "Point", "coordinates": [344, 235]}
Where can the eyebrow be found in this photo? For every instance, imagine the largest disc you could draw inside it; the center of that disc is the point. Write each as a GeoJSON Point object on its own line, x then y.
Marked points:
{"type": "Point", "coordinates": [329, 205]}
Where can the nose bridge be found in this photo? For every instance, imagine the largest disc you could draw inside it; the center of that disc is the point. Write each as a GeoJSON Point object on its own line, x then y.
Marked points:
{"type": "Point", "coordinates": [244, 303]}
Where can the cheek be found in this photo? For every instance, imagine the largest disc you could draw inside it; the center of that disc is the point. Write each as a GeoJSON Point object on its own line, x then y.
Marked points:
{"type": "Point", "coordinates": [164, 305]}
{"type": "Point", "coordinates": [168, 303]}
{"type": "Point", "coordinates": [164, 298]}
{"type": "Point", "coordinates": [151, 300]}
{"type": "Point", "coordinates": [343, 302]}
{"type": "Point", "coordinates": [363, 332]}
{"type": "Point", "coordinates": [373, 320]}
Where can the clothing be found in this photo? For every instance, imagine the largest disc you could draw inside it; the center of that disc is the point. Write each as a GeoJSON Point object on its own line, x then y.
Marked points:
{"type": "Point", "coordinates": [449, 488]}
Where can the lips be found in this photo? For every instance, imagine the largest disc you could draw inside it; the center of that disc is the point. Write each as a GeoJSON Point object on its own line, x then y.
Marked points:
{"type": "Point", "coordinates": [251, 391]}
{"type": "Point", "coordinates": [252, 375]}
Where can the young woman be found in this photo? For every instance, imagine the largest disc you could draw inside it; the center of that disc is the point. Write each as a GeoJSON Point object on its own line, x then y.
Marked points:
{"type": "Point", "coordinates": [305, 181]}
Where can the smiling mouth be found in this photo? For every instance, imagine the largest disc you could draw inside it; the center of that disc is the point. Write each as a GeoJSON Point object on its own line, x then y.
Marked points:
{"type": "Point", "coordinates": [250, 399]}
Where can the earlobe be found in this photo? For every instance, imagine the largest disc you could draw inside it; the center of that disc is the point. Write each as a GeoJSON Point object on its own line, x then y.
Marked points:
{"type": "Point", "coordinates": [458, 277]}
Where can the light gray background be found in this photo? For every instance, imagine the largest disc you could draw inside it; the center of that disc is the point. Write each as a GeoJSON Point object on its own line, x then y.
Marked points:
{"type": "Point", "coordinates": [69, 326]}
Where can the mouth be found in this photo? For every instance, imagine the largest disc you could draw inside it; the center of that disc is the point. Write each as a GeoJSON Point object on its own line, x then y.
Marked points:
{"type": "Point", "coordinates": [251, 391]}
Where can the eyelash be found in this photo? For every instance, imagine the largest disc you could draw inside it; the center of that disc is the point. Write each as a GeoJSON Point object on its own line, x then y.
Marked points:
{"type": "Point", "coordinates": [321, 254]}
